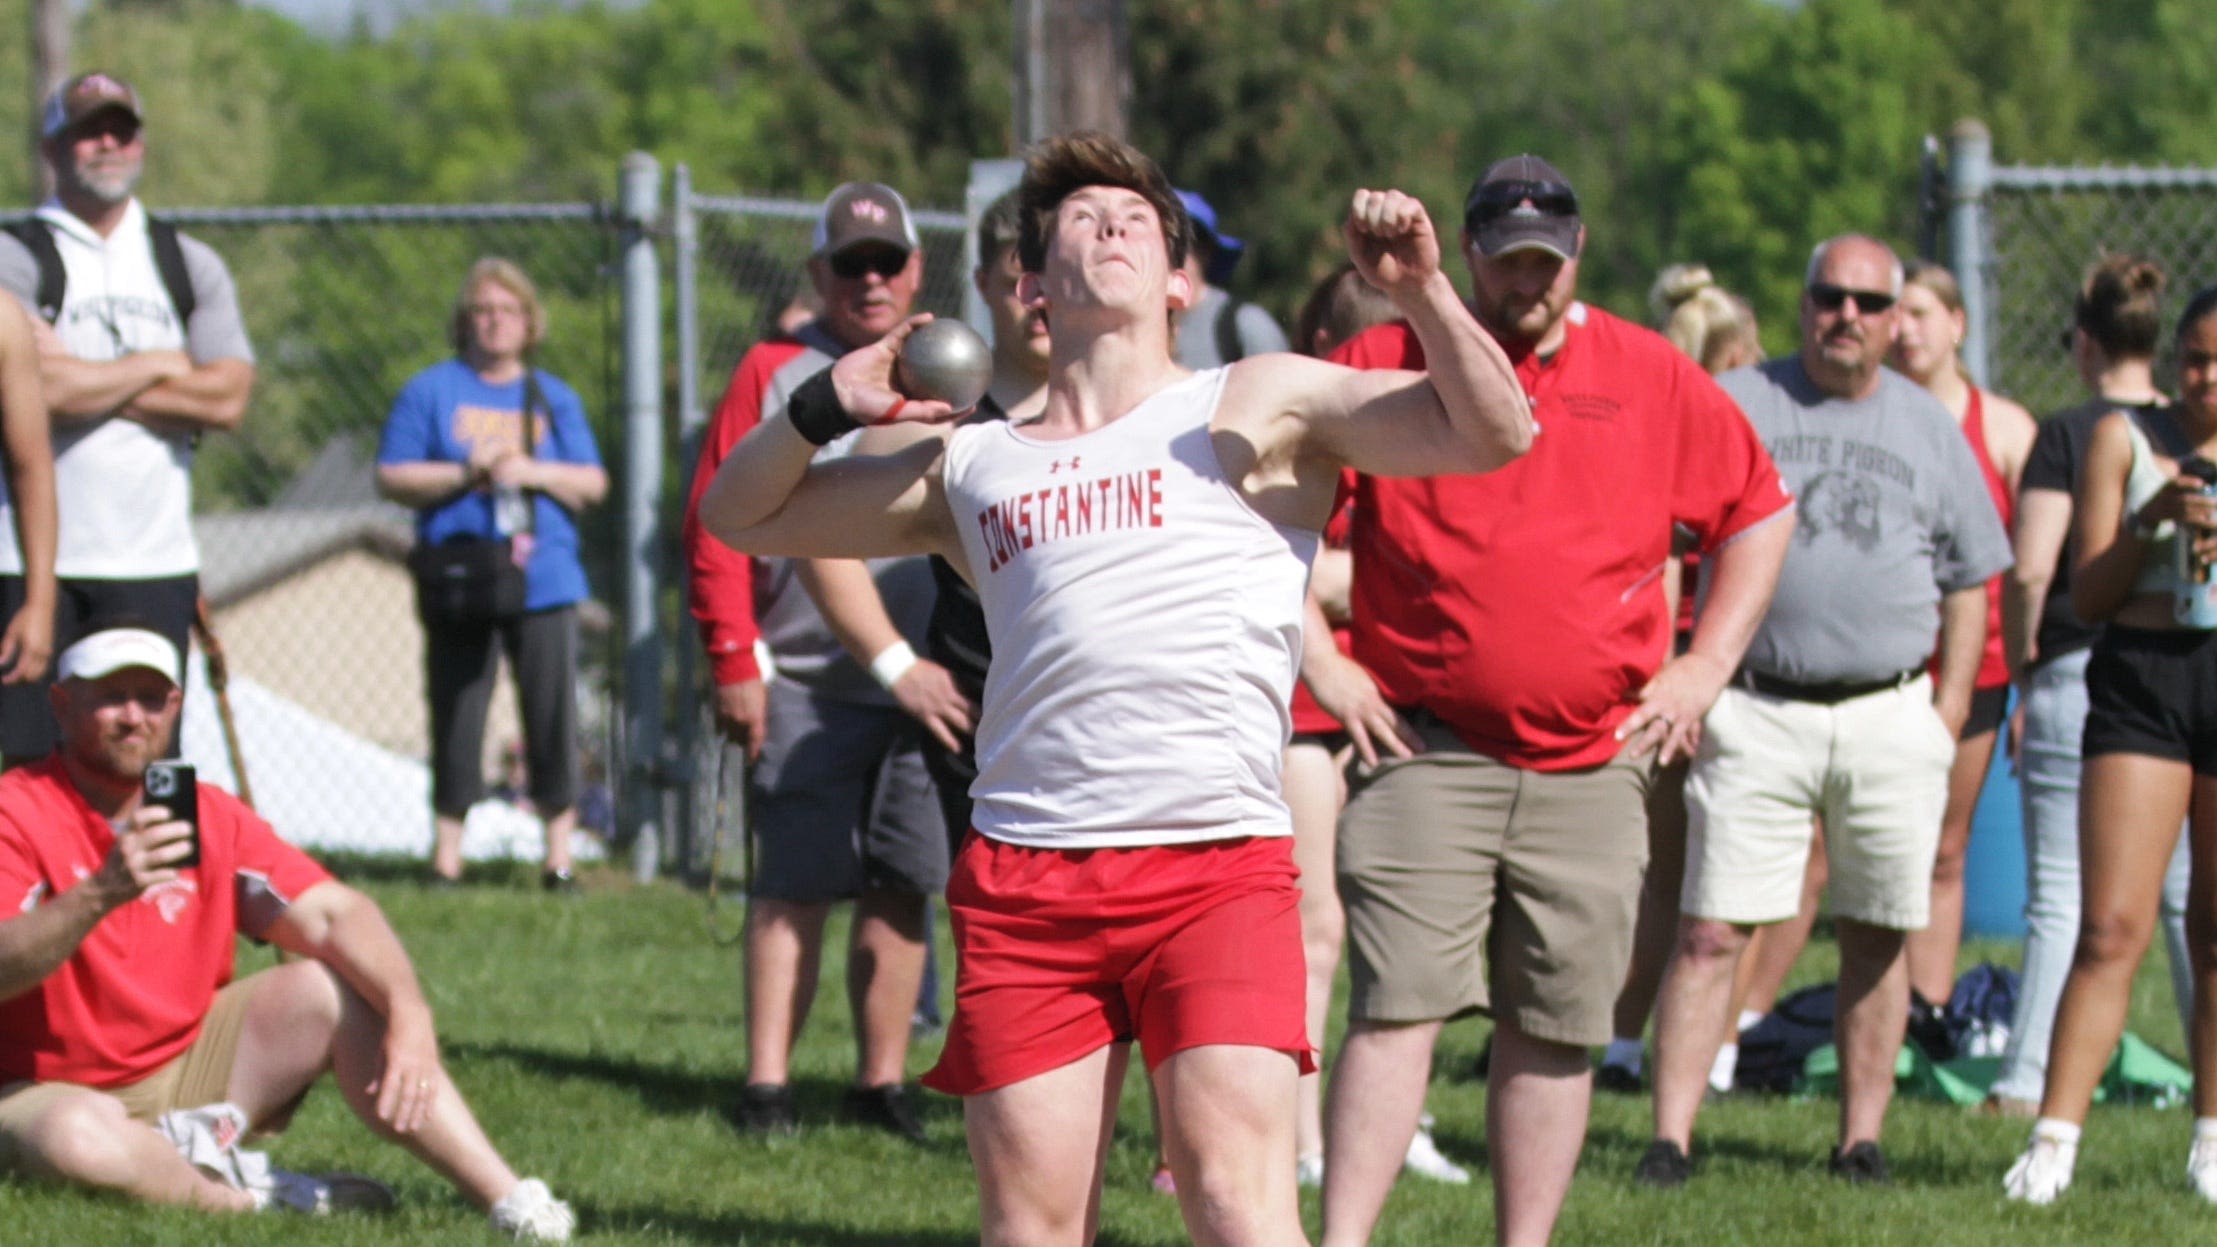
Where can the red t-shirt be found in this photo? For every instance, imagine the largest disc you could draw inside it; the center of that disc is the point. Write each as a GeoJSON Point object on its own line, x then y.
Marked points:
{"type": "Point", "coordinates": [721, 578]}
{"type": "Point", "coordinates": [1525, 607]}
{"type": "Point", "coordinates": [132, 996]}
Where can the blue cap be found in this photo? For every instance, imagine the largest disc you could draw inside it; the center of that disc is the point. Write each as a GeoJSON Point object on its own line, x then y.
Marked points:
{"type": "Point", "coordinates": [1228, 249]}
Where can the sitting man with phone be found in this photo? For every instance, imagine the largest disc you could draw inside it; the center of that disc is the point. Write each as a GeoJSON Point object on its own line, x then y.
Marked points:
{"type": "Point", "coordinates": [129, 1060]}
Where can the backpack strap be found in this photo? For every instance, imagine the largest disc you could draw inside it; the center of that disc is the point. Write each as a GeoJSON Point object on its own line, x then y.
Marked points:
{"type": "Point", "coordinates": [37, 238]}
{"type": "Point", "coordinates": [169, 259]}
{"type": "Point", "coordinates": [1229, 348]}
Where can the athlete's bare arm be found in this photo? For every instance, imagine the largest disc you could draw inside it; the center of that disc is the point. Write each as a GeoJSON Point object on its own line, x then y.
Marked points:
{"type": "Point", "coordinates": [1305, 419]}
{"type": "Point", "coordinates": [768, 497]}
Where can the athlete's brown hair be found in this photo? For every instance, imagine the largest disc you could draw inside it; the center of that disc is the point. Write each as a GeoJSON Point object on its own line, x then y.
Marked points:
{"type": "Point", "coordinates": [1067, 163]}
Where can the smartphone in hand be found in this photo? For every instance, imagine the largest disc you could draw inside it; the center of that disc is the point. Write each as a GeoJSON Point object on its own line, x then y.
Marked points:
{"type": "Point", "coordinates": [175, 786]}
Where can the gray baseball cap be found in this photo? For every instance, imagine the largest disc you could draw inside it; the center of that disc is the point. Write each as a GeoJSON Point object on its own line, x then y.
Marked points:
{"type": "Point", "coordinates": [1523, 203]}
{"type": "Point", "coordinates": [860, 212]}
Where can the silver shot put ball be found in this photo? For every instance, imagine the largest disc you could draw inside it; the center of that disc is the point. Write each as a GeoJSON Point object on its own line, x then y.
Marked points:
{"type": "Point", "coordinates": [946, 360]}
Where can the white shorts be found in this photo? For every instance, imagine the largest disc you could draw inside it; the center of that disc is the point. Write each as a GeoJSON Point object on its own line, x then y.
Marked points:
{"type": "Point", "coordinates": [1874, 768]}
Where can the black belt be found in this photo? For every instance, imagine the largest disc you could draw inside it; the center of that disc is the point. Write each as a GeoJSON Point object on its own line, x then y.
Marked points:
{"type": "Point", "coordinates": [1828, 694]}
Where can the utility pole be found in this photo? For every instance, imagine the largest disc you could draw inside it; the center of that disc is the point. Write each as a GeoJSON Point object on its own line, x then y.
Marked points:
{"type": "Point", "coordinates": [1073, 67]}
{"type": "Point", "coordinates": [49, 69]}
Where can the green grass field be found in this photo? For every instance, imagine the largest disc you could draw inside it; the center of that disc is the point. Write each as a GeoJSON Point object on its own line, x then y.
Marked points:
{"type": "Point", "coordinates": [598, 1036]}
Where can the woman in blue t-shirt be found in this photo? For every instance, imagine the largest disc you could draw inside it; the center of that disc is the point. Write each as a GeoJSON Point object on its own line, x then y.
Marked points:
{"type": "Point", "coordinates": [457, 450]}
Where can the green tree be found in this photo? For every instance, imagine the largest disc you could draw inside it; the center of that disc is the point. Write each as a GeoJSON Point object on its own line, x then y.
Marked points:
{"type": "Point", "coordinates": [1810, 131]}
{"type": "Point", "coordinates": [211, 89]}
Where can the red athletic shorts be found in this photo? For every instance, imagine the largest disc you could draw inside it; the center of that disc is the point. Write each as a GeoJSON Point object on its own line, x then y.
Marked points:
{"type": "Point", "coordinates": [1061, 951]}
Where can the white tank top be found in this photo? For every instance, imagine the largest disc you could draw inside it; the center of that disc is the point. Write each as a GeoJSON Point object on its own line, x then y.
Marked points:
{"type": "Point", "coordinates": [1146, 627]}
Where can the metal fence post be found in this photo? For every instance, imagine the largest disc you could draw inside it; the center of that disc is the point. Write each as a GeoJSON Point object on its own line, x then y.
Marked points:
{"type": "Point", "coordinates": [686, 747]}
{"type": "Point", "coordinates": [1970, 172]}
{"type": "Point", "coordinates": [642, 490]}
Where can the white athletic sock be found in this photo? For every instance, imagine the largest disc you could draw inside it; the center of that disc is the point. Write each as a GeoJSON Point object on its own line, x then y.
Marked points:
{"type": "Point", "coordinates": [1749, 1017]}
{"type": "Point", "coordinates": [1623, 1053]}
{"type": "Point", "coordinates": [2063, 1131]}
{"type": "Point", "coordinates": [1722, 1069]}
{"type": "Point", "coordinates": [2205, 1129]}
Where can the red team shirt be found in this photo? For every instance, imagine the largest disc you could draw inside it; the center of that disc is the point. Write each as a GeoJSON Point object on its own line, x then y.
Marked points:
{"type": "Point", "coordinates": [132, 996]}
{"type": "Point", "coordinates": [722, 579]}
{"type": "Point", "coordinates": [1993, 664]}
{"type": "Point", "coordinates": [1525, 607]}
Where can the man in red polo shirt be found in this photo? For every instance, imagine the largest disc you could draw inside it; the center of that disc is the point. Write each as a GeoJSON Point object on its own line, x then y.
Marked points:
{"type": "Point", "coordinates": [130, 1061]}
{"type": "Point", "coordinates": [1513, 629]}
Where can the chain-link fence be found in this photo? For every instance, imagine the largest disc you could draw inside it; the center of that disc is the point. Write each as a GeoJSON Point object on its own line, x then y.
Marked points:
{"type": "Point", "coordinates": [303, 566]}
{"type": "Point", "coordinates": [2031, 233]}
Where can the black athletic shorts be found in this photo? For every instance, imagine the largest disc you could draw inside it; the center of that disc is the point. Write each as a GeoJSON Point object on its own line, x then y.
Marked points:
{"type": "Point", "coordinates": [2153, 692]}
{"type": "Point", "coordinates": [1989, 706]}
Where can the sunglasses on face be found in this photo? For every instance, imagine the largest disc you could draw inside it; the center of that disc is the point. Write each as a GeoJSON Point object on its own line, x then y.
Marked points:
{"type": "Point", "coordinates": [1501, 198]}
{"type": "Point", "coordinates": [123, 129]}
{"type": "Point", "coordinates": [850, 265]}
{"type": "Point", "coordinates": [1831, 298]}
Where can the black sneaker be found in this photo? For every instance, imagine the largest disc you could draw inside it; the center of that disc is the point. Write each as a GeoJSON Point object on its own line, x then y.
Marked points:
{"type": "Point", "coordinates": [1616, 1078]}
{"type": "Point", "coordinates": [765, 1109]}
{"type": "Point", "coordinates": [560, 882]}
{"type": "Point", "coordinates": [1931, 1029]}
{"type": "Point", "coordinates": [1863, 1164]}
{"type": "Point", "coordinates": [1663, 1166]}
{"type": "Point", "coordinates": [888, 1108]}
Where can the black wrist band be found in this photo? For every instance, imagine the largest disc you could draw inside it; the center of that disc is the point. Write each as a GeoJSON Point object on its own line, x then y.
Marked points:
{"type": "Point", "coordinates": [815, 413]}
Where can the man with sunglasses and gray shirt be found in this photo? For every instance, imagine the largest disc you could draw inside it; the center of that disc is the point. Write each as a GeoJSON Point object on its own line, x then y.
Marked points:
{"type": "Point", "coordinates": [1511, 693]}
{"type": "Point", "coordinates": [841, 805]}
{"type": "Point", "coordinates": [1833, 714]}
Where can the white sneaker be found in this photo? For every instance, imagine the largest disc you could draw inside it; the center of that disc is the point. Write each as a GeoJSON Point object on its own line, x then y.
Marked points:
{"type": "Point", "coordinates": [1309, 1170]}
{"type": "Point", "coordinates": [2043, 1172]}
{"type": "Point", "coordinates": [2201, 1168]}
{"type": "Point", "coordinates": [531, 1214]}
{"type": "Point", "coordinates": [1424, 1157]}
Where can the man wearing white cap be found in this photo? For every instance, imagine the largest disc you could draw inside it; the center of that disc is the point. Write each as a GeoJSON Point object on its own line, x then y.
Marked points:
{"type": "Point", "coordinates": [129, 1059]}
{"type": "Point", "coordinates": [1510, 695]}
{"type": "Point", "coordinates": [141, 350]}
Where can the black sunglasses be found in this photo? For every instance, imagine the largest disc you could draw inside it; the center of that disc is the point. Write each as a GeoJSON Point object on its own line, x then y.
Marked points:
{"type": "Point", "coordinates": [849, 265]}
{"type": "Point", "coordinates": [1831, 298]}
{"type": "Point", "coordinates": [1498, 199]}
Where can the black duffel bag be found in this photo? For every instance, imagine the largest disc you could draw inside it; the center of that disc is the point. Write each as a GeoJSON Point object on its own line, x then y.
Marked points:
{"type": "Point", "coordinates": [470, 580]}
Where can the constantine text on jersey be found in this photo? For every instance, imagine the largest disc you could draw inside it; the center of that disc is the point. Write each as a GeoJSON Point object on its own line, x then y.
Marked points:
{"type": "Point", "coordinates": [1104, 504]}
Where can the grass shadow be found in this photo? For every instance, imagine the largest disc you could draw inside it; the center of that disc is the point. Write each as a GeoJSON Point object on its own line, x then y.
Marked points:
{"type": "Point", "coordinates": [740, 1227]}
{"type": "Point", "coordinates": [676, 1092]}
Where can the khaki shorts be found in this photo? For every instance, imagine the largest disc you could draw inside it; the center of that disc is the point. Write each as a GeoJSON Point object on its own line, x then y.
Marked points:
{"type": "Point", "coordinates": [1874, 768]}
{"type": "Point", "coordinates": [1475, 886]}
{"type": "Point", "coordinates": [199, 1075]}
